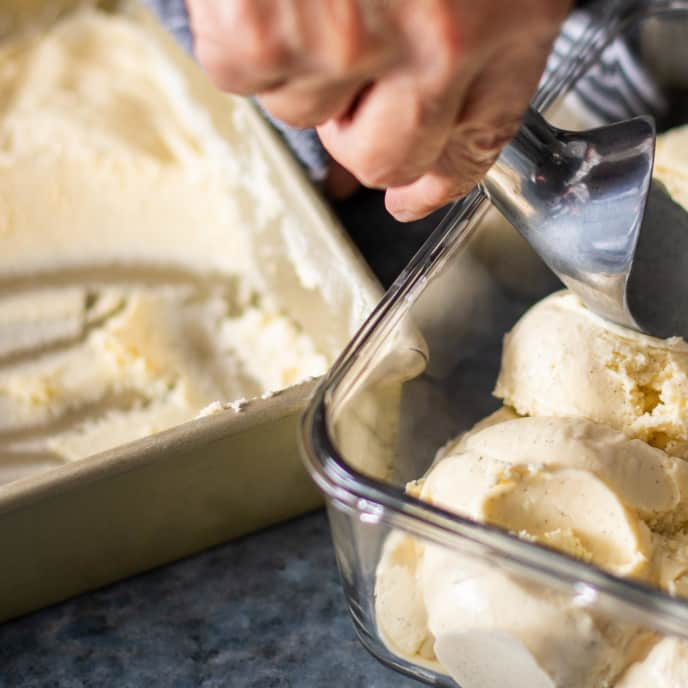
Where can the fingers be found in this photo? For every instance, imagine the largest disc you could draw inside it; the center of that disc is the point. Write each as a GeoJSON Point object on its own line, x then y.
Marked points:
{"type": "Point", "coordinates": [489, 117]}
{"type": "Point", "coordinates": [310, 102]}
{"type": "Point", "coordinates": [417, 97]}
{"type": "Point", "coordinates": [468, 155]}
{"type": "Point", "coordinates": [397, 131]}
{"type": "Point", "coordinates": [402, 122]}
{"type": "Point", "coordinates": [307, 59]}
{"type": "Point", "coordinates": [344, 55]}
{"type": "Point", "coordinates": [241, 43]}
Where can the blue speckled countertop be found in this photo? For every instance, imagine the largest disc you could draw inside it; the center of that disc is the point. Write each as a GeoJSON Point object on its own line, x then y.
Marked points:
{"type": "Point", "coordinates": [266, 611]}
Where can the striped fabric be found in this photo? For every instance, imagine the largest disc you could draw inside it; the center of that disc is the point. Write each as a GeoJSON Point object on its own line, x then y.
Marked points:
{"type": "Point", "coordinates": [617, 87]}
{"type": "Point", "coordinates": [175, 18]}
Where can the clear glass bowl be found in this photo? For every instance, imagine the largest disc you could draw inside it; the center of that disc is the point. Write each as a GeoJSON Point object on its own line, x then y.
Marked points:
{"type": "Point", "coordinates": [421, 371]}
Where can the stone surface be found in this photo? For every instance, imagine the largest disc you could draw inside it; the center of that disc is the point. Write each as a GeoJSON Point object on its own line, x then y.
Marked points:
{"type": "Point", "coordinates": [266, 611]}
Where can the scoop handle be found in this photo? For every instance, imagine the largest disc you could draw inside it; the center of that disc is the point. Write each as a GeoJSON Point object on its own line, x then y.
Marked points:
{"type": "Point", "coordinates": [533, 165]}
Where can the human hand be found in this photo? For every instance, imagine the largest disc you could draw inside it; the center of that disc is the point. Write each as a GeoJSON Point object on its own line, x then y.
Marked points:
{"type": "Point", "coordinates": [414, 96]}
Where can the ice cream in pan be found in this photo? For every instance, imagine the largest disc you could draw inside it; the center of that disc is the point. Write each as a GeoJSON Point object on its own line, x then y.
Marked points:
{"type": "Point", "coordinates": [587, 456]}
{"type": "Point", "coordinates": [129, 298]}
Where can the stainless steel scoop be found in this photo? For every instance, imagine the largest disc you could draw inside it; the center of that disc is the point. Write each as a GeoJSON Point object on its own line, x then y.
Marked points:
{"type": "Point", "coordinates": [587, 203]}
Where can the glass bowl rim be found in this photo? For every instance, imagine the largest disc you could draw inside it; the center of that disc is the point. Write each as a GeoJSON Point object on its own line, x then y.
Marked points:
{"type": "Point", "coordinates": [347, 488]}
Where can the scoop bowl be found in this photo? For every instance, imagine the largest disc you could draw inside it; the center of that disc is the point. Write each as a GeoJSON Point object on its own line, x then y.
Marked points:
{"type": "Point", "coordinates": [587, 203]}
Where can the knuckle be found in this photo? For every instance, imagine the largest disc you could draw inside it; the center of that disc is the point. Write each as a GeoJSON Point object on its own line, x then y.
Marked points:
{"type": "Point", "coordinates": [454, 176]}
{"type": "Point", "coordinates": [261, 48]}
{"type": "Point", "coordinates": [302, 107]}
{"type": "Point", "coordinates": [243, 66]}
{"type": "Point", "coordinates": [371, 169]}
{"type": "Point", "coordinates": [244, 35]}
{"type": "Point", "coordinates": [386, 178]}
{"type": "Point", "coordinates": [378, 168]}
{"type": "Point", "coordinates": [431, 194]}
{"type": "Point", "coordinates": [402, 174]}
{"type": "Point", "coordinates": [481, 144]}
{"type": "Point", "coordinates": [216, 65]}
{"type": "Point", "coordinates": [370, 174]}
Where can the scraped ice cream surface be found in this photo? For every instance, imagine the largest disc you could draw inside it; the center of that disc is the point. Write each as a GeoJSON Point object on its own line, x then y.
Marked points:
{"type": "Point", "coordinates": [587, 456]}
{"type": "Point", "coordinates": [129, 294]}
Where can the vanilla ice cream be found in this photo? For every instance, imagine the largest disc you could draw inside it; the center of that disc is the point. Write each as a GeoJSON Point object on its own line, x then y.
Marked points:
{"type": "Point", "coordinates": [587, 456]}
{"type": "Point", "coordinates": [566, 483]}
{"type": "Point", "coordinates": [563, 360]}
{"type": "Point", "coordinates": [671, 163]}
{"type": "Point", "coordinates": [666, 666]}
{"type": "Point", "coordinates": [574, 485]}
{"type": "Point", "coordinates": [131, 295]}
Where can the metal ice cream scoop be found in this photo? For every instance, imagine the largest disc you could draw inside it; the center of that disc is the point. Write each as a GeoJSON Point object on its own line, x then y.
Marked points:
{"type": "Point", "coordinates": [587, 203]}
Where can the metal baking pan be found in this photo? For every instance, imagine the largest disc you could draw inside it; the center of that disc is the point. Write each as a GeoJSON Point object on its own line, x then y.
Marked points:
{"type": "Point", "coordinates": [94, 521]}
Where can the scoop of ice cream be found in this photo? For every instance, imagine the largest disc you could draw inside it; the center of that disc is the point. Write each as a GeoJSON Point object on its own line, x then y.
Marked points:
{"type": "Point", "coordinates": [542, 639]}
{"type": "Point", "coordinates": [577, 486]}
{"type": "Point", "coordinates": [562, 360]}
{"type": "Point", "coordinates": [454, 615]}
{"type": "Point", "coordinates": [400, 607]}
{"type": "Point", "coordinates": [671, 163]}
{"type": "Point", "coordinates": [666, 666]}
